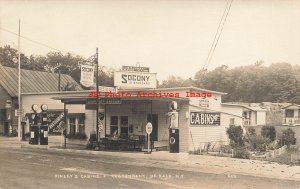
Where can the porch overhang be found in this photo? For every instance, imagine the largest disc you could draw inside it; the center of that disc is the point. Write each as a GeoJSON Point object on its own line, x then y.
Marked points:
{"type": "Point", "coordinates": [85, 100]}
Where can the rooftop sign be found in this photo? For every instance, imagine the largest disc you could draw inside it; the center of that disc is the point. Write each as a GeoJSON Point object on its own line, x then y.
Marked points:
{"type": "Point", "coordinates": [135, 69]}
{"type": "Point", "coordinates": [134, 79]}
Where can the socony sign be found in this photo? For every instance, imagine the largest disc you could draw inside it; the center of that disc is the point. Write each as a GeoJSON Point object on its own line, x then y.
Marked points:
{"type": "Point", "coordinates": [135, 79]}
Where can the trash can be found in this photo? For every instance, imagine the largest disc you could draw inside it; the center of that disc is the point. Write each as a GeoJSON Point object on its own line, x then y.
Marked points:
{"type": "Point", "coordinates": [174, 140]}
{"type": "Point", "coordinates": [43, 135]}
{"type": "Point", "coordinates": [34, 134]}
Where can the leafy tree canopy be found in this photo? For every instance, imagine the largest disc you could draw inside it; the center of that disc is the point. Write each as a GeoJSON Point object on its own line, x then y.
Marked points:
{"type": "Point", "coordinates": [51, 62]}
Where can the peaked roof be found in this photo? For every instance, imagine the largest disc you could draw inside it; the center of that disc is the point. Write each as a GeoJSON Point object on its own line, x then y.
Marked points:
{"type": "Point", "coordinates": [253, 108]}
{"type": "Point", "coordinates": [292, 104]}
{"type": "Point", "coordinates": [31, 81]}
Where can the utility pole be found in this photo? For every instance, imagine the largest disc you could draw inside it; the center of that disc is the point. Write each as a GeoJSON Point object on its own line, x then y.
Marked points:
{"type": "Point", "coordinates": [97, 88]}
{"type": "Point", "coordinates": [19, 83]}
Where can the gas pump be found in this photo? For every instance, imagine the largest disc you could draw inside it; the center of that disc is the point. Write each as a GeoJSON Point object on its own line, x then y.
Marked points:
{"type": "Point", "coordinates": [44, 125]}
{"type": "Point", "coordinates": [33, 125]}
{"type": "Point", "coordinates": [173, 129]}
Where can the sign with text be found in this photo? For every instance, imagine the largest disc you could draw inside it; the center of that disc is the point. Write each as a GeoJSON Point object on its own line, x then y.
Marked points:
{"type": "Point", "coordinates": [149, 128]}
{"type": "Point", "coordinates": [134, 79]}
{"type": "Point", "coordinates": [107, 89]}
{"type": "Point", "coordinates": [135, 68]}
{"type": "Point", "coordinates": [105, 101]}
{"type": "Point", "coordinates": [91, 104]}
{"type": "Point", "coordinates": [87, 75]}
{"type": "Point", "coordinates": [55, 118]}
{"type": "Point", "coordinates": [200, 119]}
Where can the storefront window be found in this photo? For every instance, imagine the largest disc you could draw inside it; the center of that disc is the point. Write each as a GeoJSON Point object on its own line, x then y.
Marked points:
{"type": "Point", "coordinates": [114, 125]}
{"type": "Point", "coordinates": [72, 125]}
{"type": "Point", "coordinates": [81, 126]}
{"type": "Point", "coordinates": [124, 125]}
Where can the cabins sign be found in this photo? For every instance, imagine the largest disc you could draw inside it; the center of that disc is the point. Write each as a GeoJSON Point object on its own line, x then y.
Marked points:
{"type": "Point", "coordinates": [134, 79]}
{"type": "Point", "coordinates": [202, 119]}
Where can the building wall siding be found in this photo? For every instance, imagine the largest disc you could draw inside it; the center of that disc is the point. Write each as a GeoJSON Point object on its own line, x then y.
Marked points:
{"type": "Point", "coordinates": [199, 136]}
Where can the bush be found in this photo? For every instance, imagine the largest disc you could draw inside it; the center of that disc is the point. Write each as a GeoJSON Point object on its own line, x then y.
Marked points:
{"type": "Point", "coordinates": [14, 133]}
{"type": "Point", "coordinates": [27, 135]}
{"type": "Point", "coordinates": [269, 132]}
{"type": "Point", "coordinates": [241, 152]}
{"type": "Point", "coordinates": [288, 137]}
{"type": "Point", "coordinates": [251, 131]}
{"type": "Point", "coordinates": [258, 143]}
{"type": "Point", "coordinates": [235, 134]}
{"type": "Point", "coordinates": [226, 149]}
{"type": "Point", "coordinates": [80, 136]}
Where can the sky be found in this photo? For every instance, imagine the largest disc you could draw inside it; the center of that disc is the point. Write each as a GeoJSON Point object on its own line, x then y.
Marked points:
{"type": "Point", "coordinates": [172, 37]}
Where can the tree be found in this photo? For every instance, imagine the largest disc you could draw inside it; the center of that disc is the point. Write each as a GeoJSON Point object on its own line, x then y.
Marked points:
{"type": "Point", "coordinates": [174, 81]}
{"type": "Point", "coordinates": [70, 87]}
{"type": "Point", "coordinates": [268, 132]}
{"type": "Point", "coordinates": [67, 64]}
{"type": "Point", "coordinates": [288, 137]}
{"type": "Point", "coordinates": [235, 134]}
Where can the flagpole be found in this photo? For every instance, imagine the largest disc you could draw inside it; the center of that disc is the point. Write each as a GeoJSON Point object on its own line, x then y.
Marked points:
{"type": "Point", "coordinates": [19, 83]}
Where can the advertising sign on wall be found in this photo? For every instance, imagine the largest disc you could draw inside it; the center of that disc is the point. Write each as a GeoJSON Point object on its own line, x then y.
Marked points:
{"type": "Point", "coordinates": [87, 75]}
{"type": "Point", "coordinates": [201, 119]}
{"type": "Point", "coordinates": [134, 79]}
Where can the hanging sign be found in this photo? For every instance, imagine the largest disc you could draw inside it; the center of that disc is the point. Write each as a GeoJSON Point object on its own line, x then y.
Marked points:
{"type": "Point", "coordinates": [134, 79]}
{"type": "Point", "coordinates": [200, 119]}
{"type": "Point", "coordinates": [87, 75]}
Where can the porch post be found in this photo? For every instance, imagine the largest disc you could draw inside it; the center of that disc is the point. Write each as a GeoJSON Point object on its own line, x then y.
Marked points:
{"type": "Point", "coordinates": [151, 123]}
{"type": "Point", "coordinates": [104, 120]}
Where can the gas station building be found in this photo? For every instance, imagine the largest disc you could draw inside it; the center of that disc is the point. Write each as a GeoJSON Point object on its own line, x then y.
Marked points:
{"type": "Point", "coordinates": [199, 120]}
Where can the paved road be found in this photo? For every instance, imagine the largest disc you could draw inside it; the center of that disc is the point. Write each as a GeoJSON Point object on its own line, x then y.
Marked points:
{"type": "Point", "coordinates": [37, 168]}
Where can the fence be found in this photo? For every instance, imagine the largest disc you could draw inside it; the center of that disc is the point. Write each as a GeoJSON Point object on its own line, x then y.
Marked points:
{"type": "Point", "coordinates": [277, 152]}
{"type": "Point", "coordinates": [295, 158]}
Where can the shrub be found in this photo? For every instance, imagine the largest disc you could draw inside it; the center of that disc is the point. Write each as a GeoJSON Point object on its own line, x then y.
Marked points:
{"type": "Point", "coordinates": [14, 133]}
{"type": "Point", "coordinates": [226, 149]}
{"type": "Point", "coordinates": [27, 135]}
{"type": "Point", "coordinates": [251, 131]}
{"type": "Point", "coordinates": [235, 134]}
{"type": "Point", "coordinates": [258, 143]}
{"type": "Point", "coordinates": [269, 132]}
{"type": "Point", "coordinates": [288, 137]}
{"type": "Point", "coordinates": [81, 136]}
{"type": "Point", "coordinates": [241, 152]}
